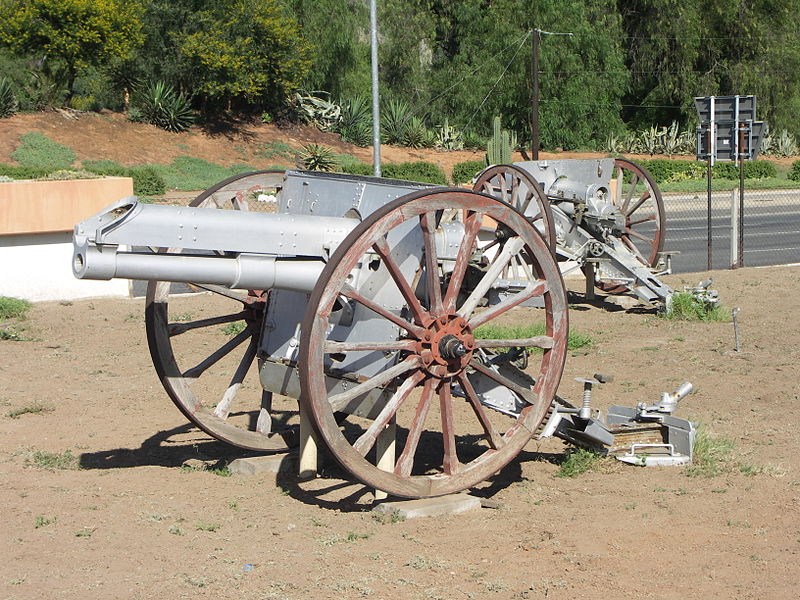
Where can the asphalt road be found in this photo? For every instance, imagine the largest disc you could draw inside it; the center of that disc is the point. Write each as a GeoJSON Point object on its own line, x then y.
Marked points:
{"type": "Point", "coordinates": [771, 236]}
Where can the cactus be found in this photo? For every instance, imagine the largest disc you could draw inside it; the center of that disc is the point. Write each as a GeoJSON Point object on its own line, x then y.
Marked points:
{"type": "Point", "coordinates": [500, 145]}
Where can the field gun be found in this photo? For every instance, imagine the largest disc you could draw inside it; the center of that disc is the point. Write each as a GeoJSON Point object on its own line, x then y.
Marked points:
{"type": "Point", "coordinates": [604, 216]}
{"type": "Point", "coordinates": [359, 301]}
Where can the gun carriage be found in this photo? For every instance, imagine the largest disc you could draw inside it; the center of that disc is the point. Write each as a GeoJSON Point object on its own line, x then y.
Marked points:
{"type": "Point", "coordinates": [360, 301]}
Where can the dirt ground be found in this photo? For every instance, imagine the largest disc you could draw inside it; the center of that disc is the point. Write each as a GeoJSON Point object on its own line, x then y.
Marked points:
{"type": "Point", "coordinates": [132, 523]}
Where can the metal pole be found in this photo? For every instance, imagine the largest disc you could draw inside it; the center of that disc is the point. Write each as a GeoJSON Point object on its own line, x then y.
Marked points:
{"type": "Point", "coordinates": [376, 115]}
{"type": "Point", "coordinates": [535, 94]}
{"type": "Point", "coordinates": [708, 176]}
{"type": "Point", "coordinates": [742, 154]}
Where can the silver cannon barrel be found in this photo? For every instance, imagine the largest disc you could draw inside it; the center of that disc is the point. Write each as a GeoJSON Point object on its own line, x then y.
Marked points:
{"type": "Point", "coordinates": [244, 250]}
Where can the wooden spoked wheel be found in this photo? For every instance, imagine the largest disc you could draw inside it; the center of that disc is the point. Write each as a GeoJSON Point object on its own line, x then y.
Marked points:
{"type": "Point", "coordinates": [517, 188]}
{"type": "Point", "coordinates": [638, 198]}
{"type": "Point", "coordinates": [204, 350]}
{"type": "Point", "coordinates": [635, 193]}
{"type": "Point", "coordinates": [448, 440]}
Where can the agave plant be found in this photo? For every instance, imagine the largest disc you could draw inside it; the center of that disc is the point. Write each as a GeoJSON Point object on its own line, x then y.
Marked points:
{"type": "Point", "coordinates": [355, 122]}
{"type": "Point", "coordinates": [8, 101]}
{"type": "Point", "coordinates": [395, 118]}
{"type": "Point", "coordinates": [160, 105]}
{"type": "Point", "coordinates": [416, 135]}
{"type": "Point", "coordinates": [671, 139]}
{"type": "Point", "coordinates": [631, 143]}
{"type": "Point", "coordinates": [319, 110]}
{"type": "Point", "coordinates": [785, 145]}
{"type": "Point", "coordinates": [317, 157]}
{"type": "Point", "coordinates": [651, 139]}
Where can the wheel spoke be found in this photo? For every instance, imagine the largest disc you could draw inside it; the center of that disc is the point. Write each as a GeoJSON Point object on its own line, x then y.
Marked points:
{"type": "Point", "coordinates": [179, 328]}
{"type": "Point", "coordinates": [500, 262]}
{"type": "Point", "coordinates": [332, 347]}
{"type": "Point", "coordinates": [537, 288]}
{"type": "Point", "coordinates": [524, 206]}
{"type": "Point", "coordinates": [639, 236]}
{"type": "Point", "coordinates": [222, 291]}
{"type": "Point", "coordinates": [219, 354]}
{"type": "Point", "coordinates": [383, 250]}
{"type": "Point", "coordinates": [495, 440]}
{"type": "Point", "coordinates": [515, 181]}
{"type": "Point", "coordinates": [471, 227]}
{"type": "Point", "coordinates": [339, 401]}
{"type": "Point", "coordinates": [643, 220]}
{"type": "Point", "coordinates": [644, 197]}
{"type": "Point", "coordinates": [538, 341]}
{"type": "Point", "coordinates": [367, 440]}
{"type": "Point", "coordinates": [223, 408]}
{"type": "Point", "coordinates": [434, 286]}
{"type": "Point", "coordinates": [634, 181]}
{"type": "Point", "coordinates": [450, 462]}
{"type": "Point", "coordinates": [527, 395]}
{"type": "Point", "coordinates": [406, 461]}
{"type": "Point", "coordinates": [350, 292]}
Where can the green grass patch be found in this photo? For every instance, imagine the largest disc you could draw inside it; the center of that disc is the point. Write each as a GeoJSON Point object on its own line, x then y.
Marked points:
{"type": "Point", "coordinates": [187, 173]}
{"type": "Point", "coordinates": [12, 334]}
{"type": "Point", "coordinates": [13, 308]}
{"type": "Point", "coordinates": [575, 340]}
{"type": "Point", "coordinates": [37, 150]}
{"type": "Point", "coordinates": [279, 150]}
{"type": "Point", "coordinates": [686, 306]}
{"type": "Point", "coordinates": [578, 461]}
{"type": "Point", "coordinates": [712, 456]}
{"type": "Point", "coordinates": [234, 328]}
{"type": "Point", "coordinates": [54, 461]}
{"type": "Point", "coordinates": [42, 521]}
{"type": "Point", "coordinates": [35, 408]}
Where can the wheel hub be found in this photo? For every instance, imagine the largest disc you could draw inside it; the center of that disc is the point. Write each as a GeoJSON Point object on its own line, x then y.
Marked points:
{"type": "Point", "coordinates": [446, 346]}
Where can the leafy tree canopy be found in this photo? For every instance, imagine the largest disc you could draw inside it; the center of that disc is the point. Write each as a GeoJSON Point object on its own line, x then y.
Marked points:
{"type": "Point", "coordinates": [67, 36]}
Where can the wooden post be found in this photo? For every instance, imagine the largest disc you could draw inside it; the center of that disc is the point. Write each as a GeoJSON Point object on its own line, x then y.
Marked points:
{"type": "Point", "coordinates": [385, 452]}
{"type": "Point", "coordinates": [308, 447]}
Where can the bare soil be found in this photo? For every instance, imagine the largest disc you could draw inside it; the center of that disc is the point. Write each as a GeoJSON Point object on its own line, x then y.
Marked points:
{"type": "Point", "coordinates": [131, 523]}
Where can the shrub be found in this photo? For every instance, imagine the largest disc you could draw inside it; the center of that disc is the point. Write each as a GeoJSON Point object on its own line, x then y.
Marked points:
{"type": "Point", "coordinates": [463, 172]}
{"type": "Point", "coordinates": [794, 172]}
{"type": "Point", "coordinates": [357, 168]}
{"type": "Point", "coordinates": [146, 179]}
{"type": "Point", "coordinates": [17, 173]}
{"type": "Point", "coordinates": [160, 105]}
{"type": "Point", "coordinates": [664, 171]}
{"type": "Point", "coordinates": [420, 171]}
{"type": "Point", "coordinates": [8, 100]}
{"type": "Point", "coordinates": [37, 150]}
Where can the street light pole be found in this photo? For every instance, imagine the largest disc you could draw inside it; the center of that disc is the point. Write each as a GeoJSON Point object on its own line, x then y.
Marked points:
{"type": "Point", "coordinates": [376, 115]}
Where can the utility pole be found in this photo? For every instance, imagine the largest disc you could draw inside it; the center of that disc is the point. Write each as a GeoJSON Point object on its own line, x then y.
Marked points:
{"type": "Point", "coordinates": [535, 39]}
{"type": "Point", "coordinates": [376, 115]}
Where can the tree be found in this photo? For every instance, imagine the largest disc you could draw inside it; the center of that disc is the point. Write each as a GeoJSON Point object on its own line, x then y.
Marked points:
{"type": "Point", "coordinates": [68, 36]}
{"type": "Point", "coordinates": [248, 50]}
{"type": "Point", "coordinates": [338, 33]}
